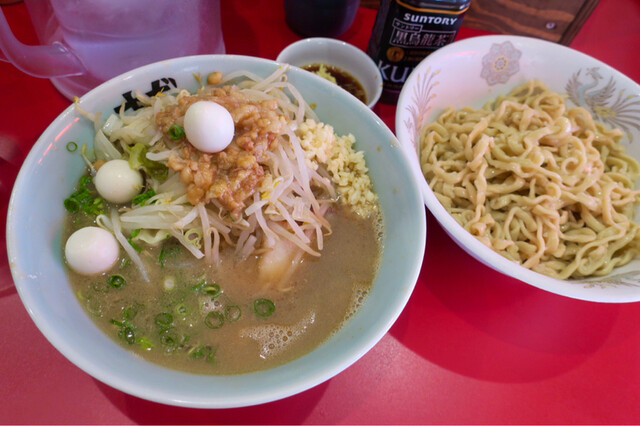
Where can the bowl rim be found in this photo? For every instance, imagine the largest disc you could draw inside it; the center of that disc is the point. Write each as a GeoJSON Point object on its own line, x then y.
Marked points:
{"type": "Point", "coordinates": [303, 381]}
{"type": "Point", "coordinates": [568, 288]}
{"type": "Point", "coordinates": [311, 42]}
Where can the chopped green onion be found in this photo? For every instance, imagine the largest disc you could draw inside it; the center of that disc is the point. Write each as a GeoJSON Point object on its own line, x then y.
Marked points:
{"type": "Point", "coordinates": [194, 237]}
{"type": "Point", "coordinates": [212, 290]}
{"type": "Point", "coordinates": [94, 306]}
{"type": "Point", "coordinates": [134, 233]}
{"type": "Point", "coordinates": [168, 251]}
{"type": "Point", "coordinates": [144, 343]}
{"type": "Point", "coordinates": [185, 339]}
{"type": "Point", "coordinates": [85, 199]}
{"type": "Point", "coordinates": [94, 207]}
{"type": "Point", "coordinates": [116, 280]}
{"type": "Point", "coordinates": [134, 245]}
{"type": "Point", "coordinates": [263, 307]}
{"type": "Point", "coordinates": [196, 352]}
{"type": "Point", "coordinates": [232, 313]}
{"type": "Point", "coordinates": [72, 146]}
{"type": "Point", "coordinates": [181, 309]}
{"type": "Point", "coordinates": [214, 320]}
{"type": "Point", "coordinates": [141, 199]}
{"type": "Point", "coordinates": [176, 132]}
{"type": "Point", "coordinates": [210, 353]}
{"type": "Point", "coordinates": [202, 351]}
{"type": "Point", "coordinates": [130, 312]}
{"type": "Point", "coordinates": [127, 332]}
{"type": "Point", "coordinates": [169, 341]}
{"type": "Point", "coordinates": [163, 319]}
{"type": "Point", "coordinates": [199, 286]}
{"type": "Point", "coordinates": [71, 204]}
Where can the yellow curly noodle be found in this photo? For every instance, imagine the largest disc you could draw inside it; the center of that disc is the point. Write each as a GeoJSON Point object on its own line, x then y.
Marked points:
{"type": "Point", "coordinates": [540, 183]}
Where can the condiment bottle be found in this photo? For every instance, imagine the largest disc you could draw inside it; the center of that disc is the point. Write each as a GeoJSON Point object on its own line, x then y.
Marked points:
{"type": "Point", "coordinates": [405, 31]}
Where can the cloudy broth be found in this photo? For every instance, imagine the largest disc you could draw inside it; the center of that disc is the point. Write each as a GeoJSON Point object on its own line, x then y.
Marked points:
{"type": "Point", "coordinates": [200, 318]}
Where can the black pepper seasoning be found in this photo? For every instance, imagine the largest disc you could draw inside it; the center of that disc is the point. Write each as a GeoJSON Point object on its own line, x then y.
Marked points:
{"type": "Point", "coordinates": [405, 31]}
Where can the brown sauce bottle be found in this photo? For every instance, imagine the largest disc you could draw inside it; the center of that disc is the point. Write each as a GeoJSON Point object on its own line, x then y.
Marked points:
{"type": "Point", "coordinates": [405, 31]}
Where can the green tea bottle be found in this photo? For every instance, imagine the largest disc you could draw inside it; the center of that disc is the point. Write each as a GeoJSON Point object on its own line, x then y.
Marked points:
{"type": "Point", "coordinates": [405, 31]}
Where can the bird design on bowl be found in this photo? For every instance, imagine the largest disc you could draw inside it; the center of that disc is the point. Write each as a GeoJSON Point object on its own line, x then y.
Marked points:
{"type": "Point", "coordinates": [604, 100]}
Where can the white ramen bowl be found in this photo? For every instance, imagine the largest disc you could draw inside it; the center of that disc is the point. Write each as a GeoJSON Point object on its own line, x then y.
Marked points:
{"type": "Point", "coordinates": [339, 54]}
{"type": "Point", "coordinates": [473, 71]}
{"type": "Point", "coordinates": [49, 173]}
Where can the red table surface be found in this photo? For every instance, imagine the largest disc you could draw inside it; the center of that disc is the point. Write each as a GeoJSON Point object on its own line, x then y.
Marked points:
{"type": "Point", "coordinates": [472, 346]}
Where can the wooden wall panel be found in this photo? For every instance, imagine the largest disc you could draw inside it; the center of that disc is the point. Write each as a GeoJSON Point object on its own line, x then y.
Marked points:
{"type": "Point", "coordinates": [554, 20]}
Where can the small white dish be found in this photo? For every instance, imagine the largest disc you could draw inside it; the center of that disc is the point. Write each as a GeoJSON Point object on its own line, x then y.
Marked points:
{"type": "Point", "coordinates": [339, 54]}
{"type": "Point", "coordinates": [473, 71]}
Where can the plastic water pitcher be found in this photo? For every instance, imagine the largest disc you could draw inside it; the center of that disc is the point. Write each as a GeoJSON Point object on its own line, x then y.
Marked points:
{"type": "Point", "coordinates": [85, 42]}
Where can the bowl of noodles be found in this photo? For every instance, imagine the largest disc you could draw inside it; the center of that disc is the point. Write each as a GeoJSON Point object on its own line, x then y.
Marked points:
{"type": "Point", "coordinates": [215, 231]}
{"type": "Point", "coordinates": [527, 156]}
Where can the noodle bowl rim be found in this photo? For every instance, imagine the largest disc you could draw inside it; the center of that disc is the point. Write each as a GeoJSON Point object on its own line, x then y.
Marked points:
{"type": "Point", "coordinates": [45, 293]}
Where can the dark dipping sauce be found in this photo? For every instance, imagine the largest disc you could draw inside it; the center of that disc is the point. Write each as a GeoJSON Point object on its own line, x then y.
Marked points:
{"type": "Point", "coordinates": [343, 79]}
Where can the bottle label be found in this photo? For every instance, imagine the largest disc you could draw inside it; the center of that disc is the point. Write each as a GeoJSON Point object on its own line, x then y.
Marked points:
{"type": "Point", "coordinates": [404, 34]}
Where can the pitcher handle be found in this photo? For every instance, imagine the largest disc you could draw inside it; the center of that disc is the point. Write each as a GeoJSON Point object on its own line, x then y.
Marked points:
{"type": "Point", "coordinates": [53, 60]}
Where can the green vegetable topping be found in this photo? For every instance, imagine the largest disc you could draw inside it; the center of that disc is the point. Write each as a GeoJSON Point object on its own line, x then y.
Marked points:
{"type": "Point", "coordinates": [72, 205]}
{"type": "Point", "coordinates": [263, 307]}
{"type": "Point", "coordinates": [72, 146]}
{"type": "Point", "coordinates": [181, 309]}
{"type": "Point", "coordinates": [116, 280]}
{"type": "Point", "coordinates": [202, 351]}
{"type": "Point", "coordinates": [126, 331]}
{"type": "Point", "coordinates": [169, 341]}
{"type": "Point", "coordinates": [138, 160]}
{"type": "Point", "coordinates": [176, 132]}
{"type": "Point", "coordinates": [212, 290]}
{"type": "Point", "coordinates": [85, 199]}
{"type": "Point", "coordinates": [130, 312]}
{"type": "Point", "coordinates": [168, 250]}
{"type": "Point", "coordinates": [134, 233]}
{"type": "Point", "coordinates": [232, 313]}
{"type": "Point", "coordinates": [214, 320]}
{"type": "Point", "coordinates": [142, 198]}
{"type": "Point", "coordinates": [144, 343]}
{"type": "Point", "coordinates": [163, 319]}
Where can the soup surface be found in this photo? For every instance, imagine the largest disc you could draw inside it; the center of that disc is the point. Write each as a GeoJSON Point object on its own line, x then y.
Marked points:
{"type": "Point", "coordinates": [169, 321]}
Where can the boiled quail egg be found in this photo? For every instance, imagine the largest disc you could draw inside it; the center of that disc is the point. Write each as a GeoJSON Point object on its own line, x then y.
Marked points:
{"type": "Point", "coordinates": [117, 182]}
{"type": "Point", "coordinates": [208, 126]}
{"type": "Point", "coordinates": [91, 250]}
